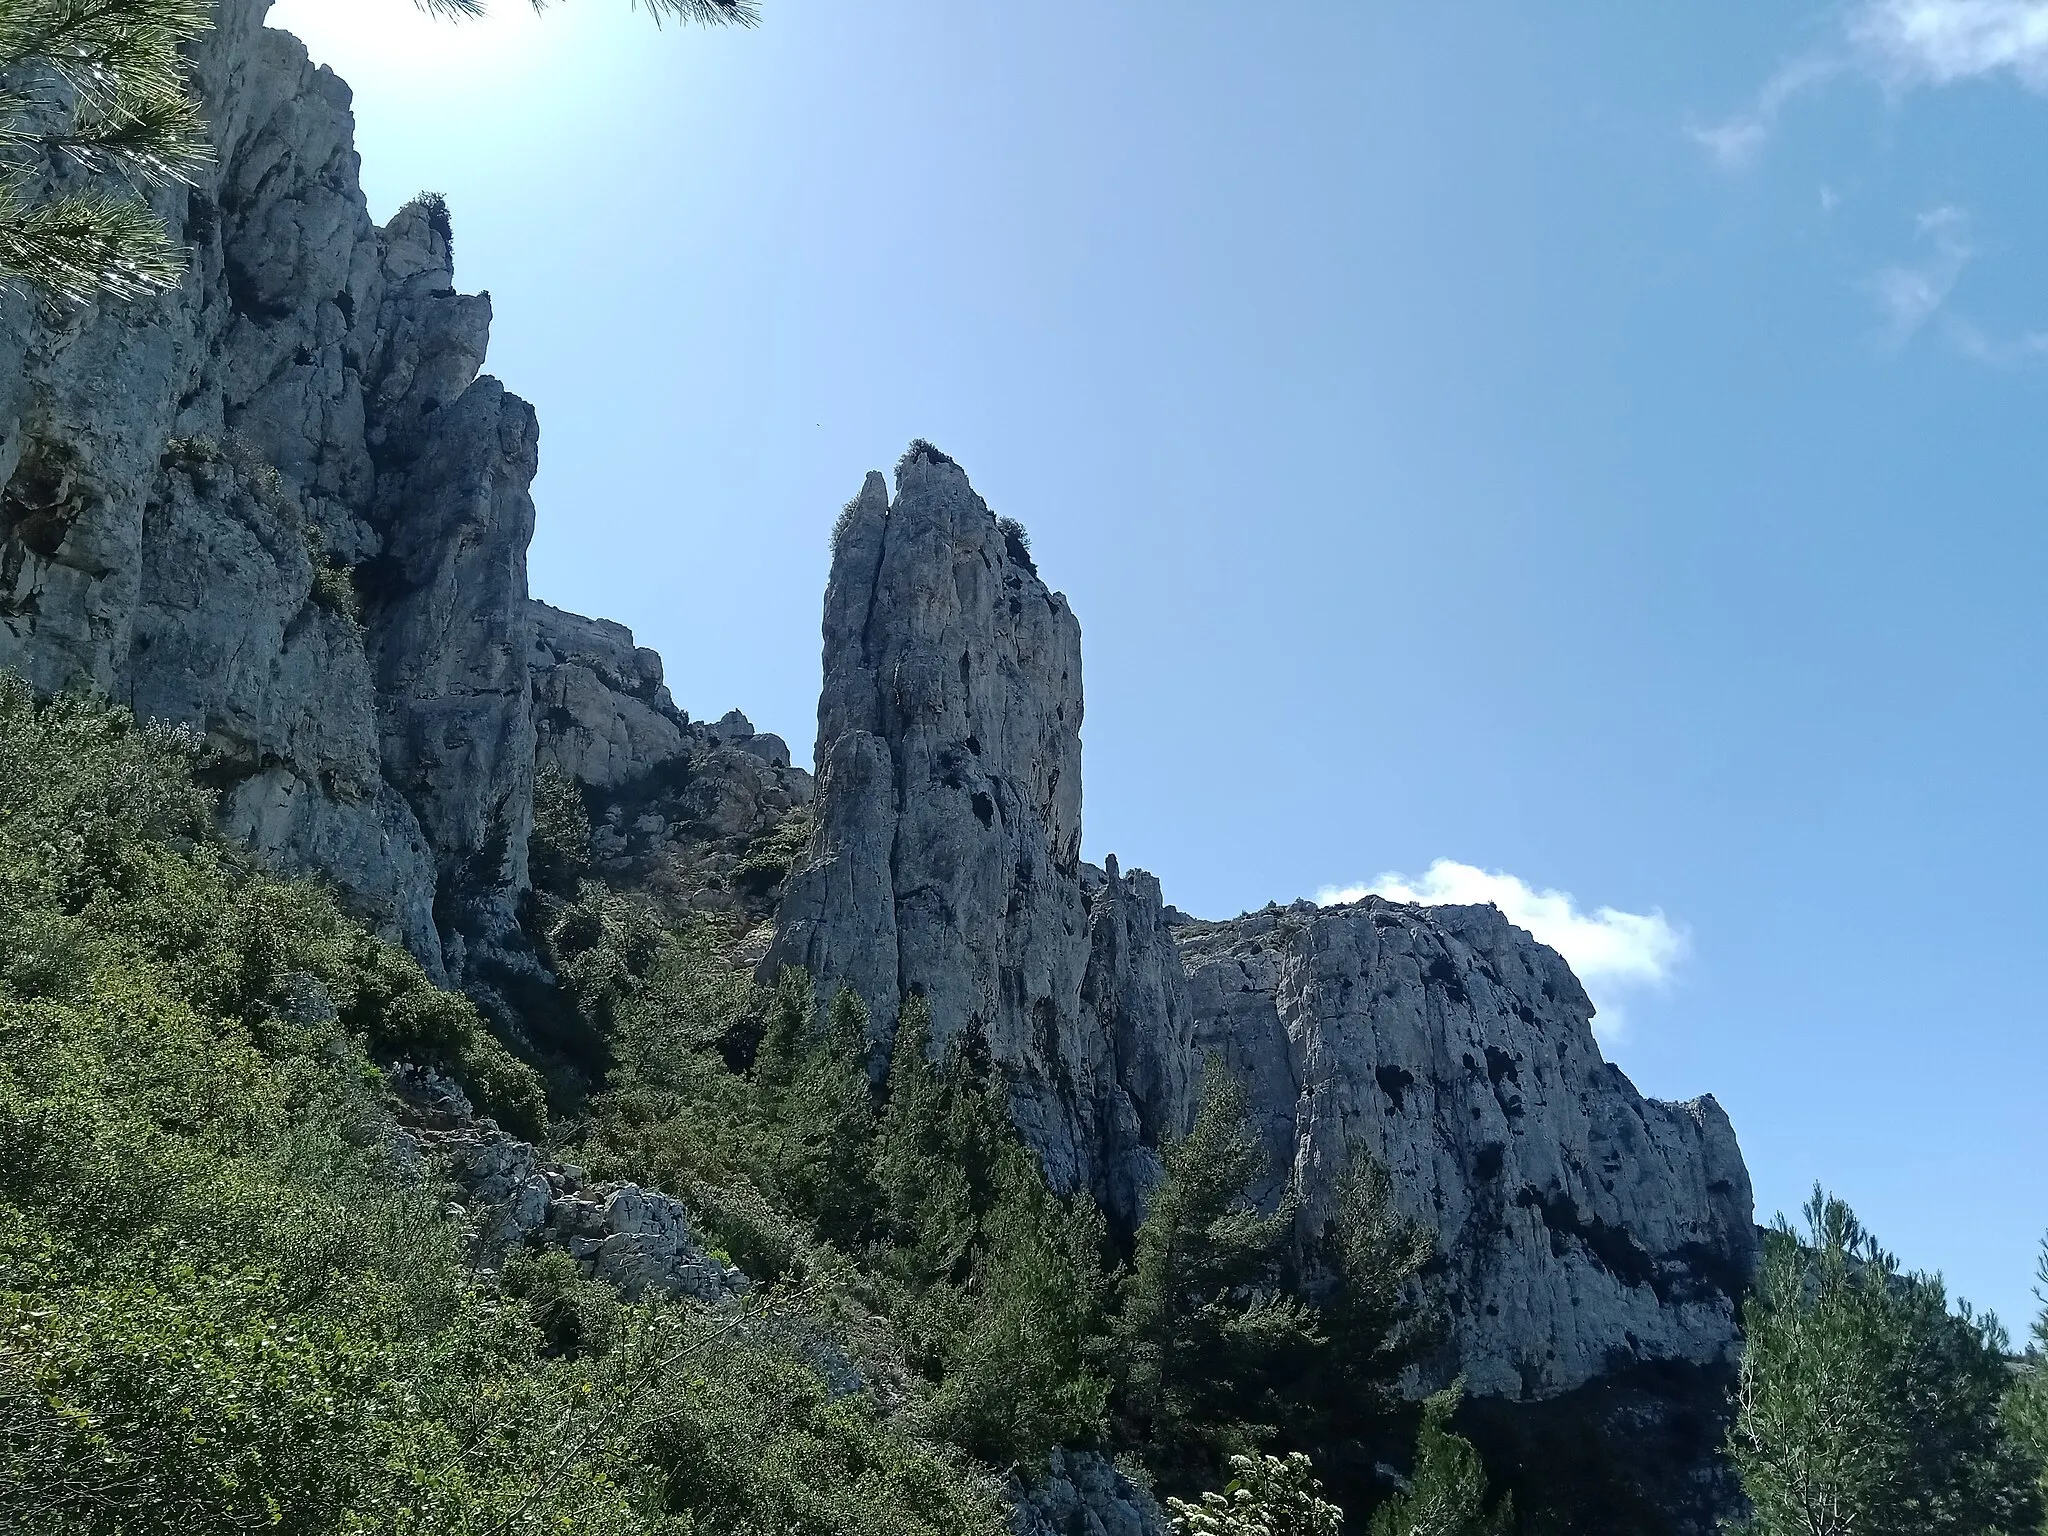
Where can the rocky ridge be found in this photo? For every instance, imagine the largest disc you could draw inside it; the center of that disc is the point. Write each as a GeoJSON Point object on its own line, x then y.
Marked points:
{"type": "Point", "coordinates": [1584, 1228]}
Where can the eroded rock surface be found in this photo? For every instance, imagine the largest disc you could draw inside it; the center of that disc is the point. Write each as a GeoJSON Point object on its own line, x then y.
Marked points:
{"type": "Point", "coordinates": [947, 857]}
{"type": "Point", "coordinates": [279, 505]}
{"type": "Point", "coordinates": [513, 1194]}
{"type": "Point", "coordinates": [1083, 1494]}
{"type": "Point", "coordinates": [1585, 1227]}
{"type": "Point", "coordinates": [684, 812]}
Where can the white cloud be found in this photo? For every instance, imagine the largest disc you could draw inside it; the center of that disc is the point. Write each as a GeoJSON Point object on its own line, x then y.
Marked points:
{"type": "Point", "coordinates": [1611, 952]}
{"type": "Point", "coordinates": [1902, 44]}
{"type": "Point", "coordinates": [1938, 42]}
{"type": "Point", "coordinates": [1735, 142]}
{"type": "Point", "coordinates": [1971, 341]}
{"type": "Point", "coordinates": [1909, 294]}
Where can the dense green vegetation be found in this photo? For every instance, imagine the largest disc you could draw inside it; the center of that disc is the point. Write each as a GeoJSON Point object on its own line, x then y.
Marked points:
{"type": "Point", "coordinates": [228, 1301]}
{"type": "Point", "coordinates": [1867, 1405]}
{"type": "Point", "coordinates": [226, 1306]}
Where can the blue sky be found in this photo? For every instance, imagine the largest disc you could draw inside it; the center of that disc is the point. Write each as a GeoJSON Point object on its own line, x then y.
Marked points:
{"type": "Point", "coordinates": [1596, 446]}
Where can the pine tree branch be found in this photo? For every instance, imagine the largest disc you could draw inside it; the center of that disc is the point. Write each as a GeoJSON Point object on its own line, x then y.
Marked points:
{"type": "Point", "coordinates": [86, 244]}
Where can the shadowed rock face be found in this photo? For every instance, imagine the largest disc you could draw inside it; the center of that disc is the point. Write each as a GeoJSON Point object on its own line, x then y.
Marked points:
{"type": "Point", "coordinates": [1584, 1227]}
{"type": "Point", "coordinates": [947, 860]}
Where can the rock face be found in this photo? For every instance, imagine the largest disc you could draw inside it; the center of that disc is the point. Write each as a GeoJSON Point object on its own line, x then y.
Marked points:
{"type": "Point", "coordinates": [1585, 1227]}
{"type": "Point", "coordinates": [513, 1194]}
{"type": "Point", "coordinates": [947, 858]}
{"type": "Point", "coordinates": [1081, 1494]}
{"type": "Point", "coordinates": [279, 505]}
{"type": "Point", "coordinates": [282, 506]}
{"type": "Point", "coordinates": [691, 815]}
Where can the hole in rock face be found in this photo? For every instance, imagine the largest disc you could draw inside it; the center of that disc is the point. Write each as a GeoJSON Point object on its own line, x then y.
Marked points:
{"type": "Point", "coordinates": [201, 218]}
{"type": "Point", "coordinates": [1394, 1083]}
{"type": "Point", "coordinates": [44, 497]}
{"type": "Point", "coordinates": [1444, 972]}
{"type": "Point", "coordinates": [1499, 1064]}
{"type": "Point", "coordinates": [1487, 1164]}
{"type": "Point", "coordinates": [984, 809]}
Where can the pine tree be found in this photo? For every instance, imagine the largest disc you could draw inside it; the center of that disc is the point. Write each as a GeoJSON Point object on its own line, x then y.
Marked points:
{"type": "Point", "coordinates": [1211, 1342]}
{"type": "Point", "coordinates": [1367, 1273]}
{"type": "Point", "coordinates": [924, 1161]}
{"type": "Point", "coordinates": [1864, 1405]}
{"type": "Point", "coordinates": [1374, 1255]}
{"type": "Point", "coordinates": [2026, 1405]}
{"type": "Point", "coordinates": [1446, 1493]}
{"type": "Point", "coordinates": [1022, 1370]}
{"type": "Point", "coordinates": [811, 1081]}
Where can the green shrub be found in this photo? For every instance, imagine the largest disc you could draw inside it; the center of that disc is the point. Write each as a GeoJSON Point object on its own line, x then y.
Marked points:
{"type": "Point", "coordinates": [226, 1306]}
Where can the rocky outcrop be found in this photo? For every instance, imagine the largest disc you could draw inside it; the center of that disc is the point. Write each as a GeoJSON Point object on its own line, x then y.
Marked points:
{"type": "Point", "coordinates": [280, 506]}
{"type": "Point", "coordinates": [513, 1195]}
{"type": "Point", "coordinates": [697, 817]}
{"type": "Point", "coordinates": [1081, 1494]}
{"type": "Point", "coordinates": [1584, 1227]}
{"type": "Point", "coordinates": [947, 856]}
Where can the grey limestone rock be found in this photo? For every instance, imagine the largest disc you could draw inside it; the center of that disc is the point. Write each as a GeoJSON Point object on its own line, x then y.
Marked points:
{"type": "Point", "coordinates": [1080, 1493]}
{"type": "Point", "coordinates": [278, 505]}
{"type": "Point", "coordinates": [946, 860]}
{"type": "Point", "coordinates": [680, 809]}
{"type": "Point", "coordinates": [1585, 1227]}
{"type": "Point", "coordinates": [639, 1240]}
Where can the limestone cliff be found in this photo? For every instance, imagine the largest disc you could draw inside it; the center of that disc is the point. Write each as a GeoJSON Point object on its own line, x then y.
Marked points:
{"type": "Point", "coordinates": [947, 858]}
{"type": "Point", "coordinates": [280, 505]}
{"type": "Point", "coordinates": [1584, 1228]}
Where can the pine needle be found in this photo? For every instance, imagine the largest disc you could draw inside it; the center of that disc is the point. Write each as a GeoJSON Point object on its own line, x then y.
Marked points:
{"type": "Point", "coordinates": [86, 245]}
